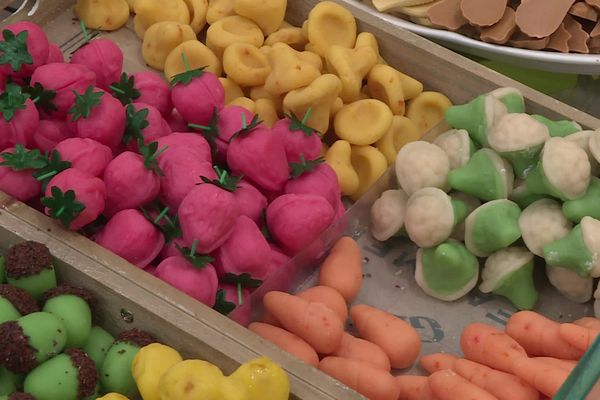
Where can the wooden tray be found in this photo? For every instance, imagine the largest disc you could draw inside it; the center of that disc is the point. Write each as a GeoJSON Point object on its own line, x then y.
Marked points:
{"type": "Point", "coordinates": [173, 316]}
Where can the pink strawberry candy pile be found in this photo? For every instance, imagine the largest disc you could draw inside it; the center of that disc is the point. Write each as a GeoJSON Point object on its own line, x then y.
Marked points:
{"type": "Point", "coordinates": [204, 196]}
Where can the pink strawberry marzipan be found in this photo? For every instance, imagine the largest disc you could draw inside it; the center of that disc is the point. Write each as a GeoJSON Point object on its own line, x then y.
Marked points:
{"type": "Point", "coordinates": [296, 220]}
{"type": "Point", "coordinates": [64, 78]}
{"type": "Point", "coordinates": [105, 122]}
{"type": "Point", "coordinates": [20, 127]}
{"type": "Point", "coordinates": [298, 139]}
{"type": "Point", "coordinates": [242, 312]}
{"type": "Point", "coordinates": [207, 214]}
{"type": "Point", "coordinates": [246, 251]}
{"type": "Point", "coordinates": [55, 54]}
{"type": "Point", "coordinates": [185, 140]}
{"type": "Point", "coordinates": [86, 155]}
{"type": "Point", "coordinates": [322, 180]}
{"type": "Point", "coordinates": [280, 273]}
{"type": "Point", "coordinates": [50, 132]}
{"type": "Point", "coordinates": [102, 56]}
{"type": "Point", "coordinates": [153, 91]}
{"type": "Point", "coordinates": [259, 155]}
{"type": "Point", "coordinates": [157, 126]}
{"type": "Point", "coordinates": [37, 47]}
{"type": "Point", "coordinates": [130, 235]}
{"type": "Point", "coordinates": [89, 190]}
{"type": "Point", "coordinates": [251, 202]}
{"type": "Point", "coordinates": [201, 284]}
{"type": "Point", "coordinates": [19, 184]}
{"type": "Point", "coordinates": [176, 122]}
{"type": "Point", "coordinates": [129, 184]}
{"type": "Point", "coordinates": [196, 100]}
{"type": "Point", "coordinates": [230, 120]}
{"type": "Point", "coordinates": [182, 170]}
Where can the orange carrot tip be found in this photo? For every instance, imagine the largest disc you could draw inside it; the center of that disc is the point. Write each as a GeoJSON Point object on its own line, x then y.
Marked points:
{"type": "Point", "coordinates": [364, 351]}
{"type": "Point", "coordinates": [287, 341]}
{"type": "Point", "coordinates": [313, 322]}
{"type": "Point", "coordinates": [342, 269]}
{"type": "Point", "coordinates": [547, 379]}
{"type": "Point", "coordinates": [367, 380]}
{"type": "Point", "coordinates": [490, 346]}
{"type": "Point", "coordinates": [437, 361]}
{"type": "Point", "coordinates": [448, 385]}
{"type": "Point", "coordinates": [578, 336]}
{"type": "Point", "coordinates": [540, 336]}
{"type": "Point", "coordinates": [500, 384]}
{"type": "Point", "coordinates": [400, 341]}
{"type": "Point", "coordinates": [414, 388]}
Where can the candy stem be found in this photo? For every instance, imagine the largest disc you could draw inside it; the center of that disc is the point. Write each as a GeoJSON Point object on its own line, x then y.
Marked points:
{"type": "Point", "coordinates": [203, 127]}
{"type": "Point", "coordinates": [60, 211]}
{"type": "Point", "coordinates": [161, 215]}
{"type": "Point", "coordinates": [116, 89]}
{"type": "Point", "coordinates": [193, 249]}
{"type": "Point", "coordinates": [306, 115]}
{"type": "Point", "coordinates": [186, 65]}
{"type": "Point", "coordinates": [86, 36]}
{"type": "Point", "coordinates": [244, 122]}
{"type": "Point", "coordinates": [46, 175]}
{"type": "Point", "coordinates": [239, 293]}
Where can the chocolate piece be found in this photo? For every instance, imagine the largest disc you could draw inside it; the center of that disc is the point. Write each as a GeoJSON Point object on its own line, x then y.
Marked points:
{"type": "Point", "coordinates": [72, 290]}
{"type": "Point", "coordinates": [524, 42]}
{"type": "Point", "coordinates": [20, 396]}
{"type": "Point", "coordinates": [20, 299]}
{"type": "Point", "coordinates": [483, 13]}
{"type": "Point", "coordinates": [594, 45]}
{"type": "Point", "coordinates": [541, 18]}
{"type": "Point", "coordinates": [88, 374]}
{"type": "Point", "coordinates": [596, 31]}
{"type": "Point", "coordinates": [136, 337]}
{"type": "Point", "coordinates": [26, 259]}
{"type": "Point", "coordinates": [584, 10]}
{"type": "Point", "coordinates": [501, 32]}
{"type": "Point", "coordinates": [447, 14]}
{"type": "Point", "coordinates": [559, 40]}
{"type": "Point", "coordinates": [15, 352]}
{"type": "Point", "coordinates": [578, 41]}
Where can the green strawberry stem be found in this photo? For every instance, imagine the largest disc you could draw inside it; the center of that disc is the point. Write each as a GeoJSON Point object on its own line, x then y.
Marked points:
{"type": "Point", "coordinates": [86, 35]}
{"type": "Point", "coordinates": [304, 166]}
{"type": "Point", "coordinates": [201, 127]}
{"type": "Point", "coordinates": [125, 90]}
{"type": "Point", "coordinates": [136, 121]}
{"type": "Point", "coordinates": [221, 305]}
{"type": "Point", "coordinates": [247, 128]}
{"type": "Point", "coordinates": [150, 153]}
{"type": "Point", "coordinates": [63, 206]}
{"type": "Point", "coordinates": [12, 100]}
{"type": "Point", "coordinates": [300, 125]}
{"type": "Point", "coordinates": [193, 249]}
{"type": "Point", "coordinates": [306, 115]}
{"type": "Point", "coordinates": [161, 215]}
{"type": "Point", "coordinates": [239, 293]}
{"type": "Point", "coordinates": [186, 77]}
{"type": "Point", "coordinates": [41, 97]}
{"type": "Point", "coordinates": [85, 103]}
{"type": "Point", "coordinates": [224, 180]}
{"type": "Point", "coordinates": [54, 166]}
{"type": "Point", "coordinates": [243, 280]}
{"type": "Point", "coordinates": [21, 159]}
{"type": "Point", "coordinates": [197, 260]}
{"type": "Point", "coordinates": [14, 50]}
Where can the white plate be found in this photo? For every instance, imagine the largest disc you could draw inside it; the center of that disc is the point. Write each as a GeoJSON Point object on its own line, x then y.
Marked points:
{"type": "Point", "coordinates": [583, 64]}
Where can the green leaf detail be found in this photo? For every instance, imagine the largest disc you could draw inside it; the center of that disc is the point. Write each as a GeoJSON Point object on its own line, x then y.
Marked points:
{"type": "Point", "coordinates": [54, 166]}
{"type": "Point", "coordinates": [22, 159]}
{"type": "Point", "coordinates": [168, 226]}
{"type": "Point", "coordinates": [84, 103]}
{"type": "Point", "coordinates": [199, 261]}
{"type": "Point", "coordinates": [136, 121]}
{"type": "Point", "coordinates": [150, 153]}
{"type": "Point", "coordinates": [304, 166]}
{"type": "Point", "coordinates": [265, 228]}
{"type": "Point", "coordinates": [247, 128]}
{"type": "Point", "coordinates": [12, 100]}
{"type": "Point", "coordinates": [63, 206]}
{"type": "Point", "coordinates": [223, 306]}
{"type": "Point", "coordinates": [186, 77]}
{"type": "Point", "coordinates": [297, 124]}
{"type": "Point", "coordinates": [125, 90]}
{"type": "Point", "coordinates": [14, 50]}
{"type": "Point", "coordinates": [224, 180]}
{"type": "Point", "coordinates": [210, 132]}
{"type": "Point", "coordinates": [244, 280]}
{"type": "Point", "coordinates": [41, 97]}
